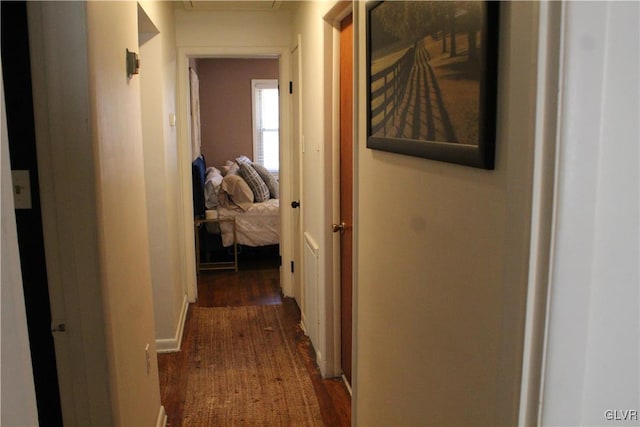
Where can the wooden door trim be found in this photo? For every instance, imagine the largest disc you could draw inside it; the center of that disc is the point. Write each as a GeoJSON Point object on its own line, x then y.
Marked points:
{"type": "Point", "coordinates": [334, 18]}
{"type": "Point", "coordinates": [346, 194]}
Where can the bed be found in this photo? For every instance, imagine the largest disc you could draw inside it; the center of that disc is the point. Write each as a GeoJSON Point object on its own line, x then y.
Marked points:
{"type": "Point", "coordinates": [241, 190]}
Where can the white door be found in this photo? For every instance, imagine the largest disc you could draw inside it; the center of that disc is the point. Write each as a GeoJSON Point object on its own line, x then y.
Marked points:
{"type": "Point", "coordinates": [296, 207]}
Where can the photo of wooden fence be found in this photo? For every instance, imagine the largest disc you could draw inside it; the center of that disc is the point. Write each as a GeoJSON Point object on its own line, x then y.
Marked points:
{"type": "Point", "coordinates": [432, 79]}
{"type": "Point", "coordinates": [425, 70]}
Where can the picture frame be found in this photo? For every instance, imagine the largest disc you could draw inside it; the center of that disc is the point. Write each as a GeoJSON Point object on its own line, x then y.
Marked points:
{"type": "Point", "coordinates": [432, 77]}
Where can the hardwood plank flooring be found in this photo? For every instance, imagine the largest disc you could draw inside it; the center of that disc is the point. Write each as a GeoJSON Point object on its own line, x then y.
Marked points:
{"type": "Point", "coordinates": [256, 283]}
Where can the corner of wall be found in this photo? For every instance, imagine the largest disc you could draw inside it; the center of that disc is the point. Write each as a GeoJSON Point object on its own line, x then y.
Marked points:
{"type": "Point", "coordinates": [172, 345]}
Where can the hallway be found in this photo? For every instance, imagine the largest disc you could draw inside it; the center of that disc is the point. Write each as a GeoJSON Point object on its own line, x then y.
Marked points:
{"type": "Point", "coordinates": [256, 284]}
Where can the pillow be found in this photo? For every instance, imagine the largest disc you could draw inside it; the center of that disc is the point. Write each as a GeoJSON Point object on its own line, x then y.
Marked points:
{"type": "Point", "coordinates": [213, 169]}
{"type": "Point", "coordinates": [212, 184]}
{"type": "Point", "coordinates": [235, 190]}
{"type": "Point", "coordinates": [242, 159]}
{"type": "Point", "coordinates": [230, 168]}
{"type": "Point", "coordinates": [257, 185]}
{"type": "Point", "coordinates": [269, 179]}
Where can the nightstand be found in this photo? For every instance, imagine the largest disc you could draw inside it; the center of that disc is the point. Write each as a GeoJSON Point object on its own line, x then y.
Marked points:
{"type": "Point", "coordinates": [224, 265]}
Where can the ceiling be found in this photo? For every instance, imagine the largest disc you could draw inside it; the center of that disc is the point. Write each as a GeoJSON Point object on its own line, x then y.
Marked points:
{"type": "Point", "coordinates": [255, 5]}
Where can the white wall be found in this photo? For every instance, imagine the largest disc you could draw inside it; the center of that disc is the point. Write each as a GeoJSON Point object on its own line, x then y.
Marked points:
{"type": "Point", "coordinates": [312, 24]}
{"type": "Point", "coordinates": [121, 213]}
{"type": "Point", "coordinates": [592, 353]}
{"type": "Point", "coordinates": [442, 262]}
{"type": "Point", "coordinates": [158, 85]}
{"type": "Point", "coordinates": [18, 405]}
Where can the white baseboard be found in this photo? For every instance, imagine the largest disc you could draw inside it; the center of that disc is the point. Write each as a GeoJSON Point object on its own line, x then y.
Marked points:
{"type": "Point", "coordinates": [347, 384]}
{"type": "Point", "coordinates": [302, 325]}
{"type": "Point", "coordinates": [322, 364]}
{"type": "Point", "coordinates": [172, 345]}
{"type": "Point", "coordinates": [162, 418]}
{"type": "Point", "coordinates": [320, 361]}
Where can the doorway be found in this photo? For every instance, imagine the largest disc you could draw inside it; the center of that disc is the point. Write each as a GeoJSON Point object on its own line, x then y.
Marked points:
{"type": "Point", "coordinates": [186, 56]}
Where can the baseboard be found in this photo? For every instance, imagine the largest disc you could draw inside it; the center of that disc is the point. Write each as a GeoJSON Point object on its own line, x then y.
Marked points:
{"type": "Point", "coordinates": [320, 361]}
{"type": "Point", "coordinates": [162, 417]}
{"type": "Point", "coordinates": [322, 364]}
{"type": "Point", "coordinates": [302, 323]}
{"type": "Point", "coordinates": [172, 345]}
{"type": "Point", "coordinates": [347, 384]}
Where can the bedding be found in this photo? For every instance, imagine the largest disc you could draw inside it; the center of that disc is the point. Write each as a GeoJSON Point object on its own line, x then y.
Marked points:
{"type": "Point", "coordinates": [212, 182]}
{"type": "Point", "coordinates": [256, 183]}
{"type": "Point", "coordinates": [259, 225]}
{"type": "Point", "coordinates": [235, 191]}
{"type": "Point", "coordinates": [226, 193]}
{"type": "Point", "coordinates": [269, 180]}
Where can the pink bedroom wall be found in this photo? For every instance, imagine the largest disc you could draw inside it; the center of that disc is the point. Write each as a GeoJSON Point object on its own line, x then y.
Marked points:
{"type": "Point", "coordinates": [225, 105]}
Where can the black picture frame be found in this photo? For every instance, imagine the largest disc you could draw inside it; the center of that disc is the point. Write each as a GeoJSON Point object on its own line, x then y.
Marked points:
{"type": "Point", "coordinates": [426, 96]}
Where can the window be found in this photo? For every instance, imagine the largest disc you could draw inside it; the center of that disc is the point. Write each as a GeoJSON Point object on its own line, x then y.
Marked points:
{"type": "Point", "coordinates": [266, 136]}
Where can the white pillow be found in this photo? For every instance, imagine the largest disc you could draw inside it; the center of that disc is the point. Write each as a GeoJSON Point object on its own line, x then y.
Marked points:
{"type": "Point", "coordinates": [242, 159]}
{"type": "Point", "coordinates": [230, 168]}
{"type": "Point", "coordinates": [211, 169]}
{"type": "Point", "coordinates": [212, 183]}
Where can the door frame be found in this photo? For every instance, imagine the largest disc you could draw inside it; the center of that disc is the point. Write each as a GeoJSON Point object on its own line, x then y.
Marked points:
{"type": "Point", "coordinates": [184, 153]}
{"type": "Point", "coordinates": [296, 234]}
{"type": "Point", "coordinates": [334, 18]}
{"type": "Point", "coordinates": [551, 22]}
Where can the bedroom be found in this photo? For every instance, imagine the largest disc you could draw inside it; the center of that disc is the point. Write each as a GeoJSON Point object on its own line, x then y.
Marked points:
{"type": "Point", "coordinates": [234, 111]}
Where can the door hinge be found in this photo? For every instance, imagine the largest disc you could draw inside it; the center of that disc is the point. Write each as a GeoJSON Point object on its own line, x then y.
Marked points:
{"type": "Point", "coordinates": [290, 87]}
{"type": "Point", "coordinates": [279, 260]}
{"type": "Point", "coordinates": [292, 268]}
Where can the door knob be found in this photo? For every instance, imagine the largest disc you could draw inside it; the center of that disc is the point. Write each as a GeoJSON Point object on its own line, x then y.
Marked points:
{"type": "Point", "coordinates": [338, 227]}
{"type": "Point", "coordinates": [295, 204]}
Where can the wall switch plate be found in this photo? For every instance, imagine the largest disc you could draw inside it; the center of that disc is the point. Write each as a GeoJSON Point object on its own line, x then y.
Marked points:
{"type": "Point", "coordinates": [21, 189]}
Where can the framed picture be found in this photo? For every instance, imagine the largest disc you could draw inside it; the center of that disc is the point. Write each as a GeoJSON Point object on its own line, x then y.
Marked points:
{"type": "Point", "coordinates": [432, 79]}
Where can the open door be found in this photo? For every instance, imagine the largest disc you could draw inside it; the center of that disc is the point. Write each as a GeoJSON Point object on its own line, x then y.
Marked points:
{"type": "Point", "coordinates": [296, 145]}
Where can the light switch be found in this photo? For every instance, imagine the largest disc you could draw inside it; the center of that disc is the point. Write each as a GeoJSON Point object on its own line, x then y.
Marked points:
{"type": "Point", "coordinates": [21, 189]}
{"type": "Point", "coordinates": [172, 120]}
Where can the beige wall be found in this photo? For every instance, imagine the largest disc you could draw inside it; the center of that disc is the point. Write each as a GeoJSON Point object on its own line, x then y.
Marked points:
{"type": "Point", "coordinates": [318, 130]}
{"type": "Point", "coordinates": [225, 105]}
{"type": "Point", "coordinates": [442, 258]}
{"type": "Point", "coordinates": [158, 87]}
{"type": "Point", "coordinates": [231, 28]}
{"type": "Point", "coordinates": [121, 213]}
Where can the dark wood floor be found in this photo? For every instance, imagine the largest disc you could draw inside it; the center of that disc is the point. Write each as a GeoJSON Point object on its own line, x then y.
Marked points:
{"type": "Point", "coordinates": [256, 283]}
